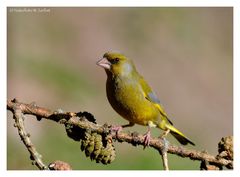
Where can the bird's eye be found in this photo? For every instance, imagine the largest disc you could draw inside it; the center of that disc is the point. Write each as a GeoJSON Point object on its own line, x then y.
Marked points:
{"type": "Point", "coordinates": [114, 61]}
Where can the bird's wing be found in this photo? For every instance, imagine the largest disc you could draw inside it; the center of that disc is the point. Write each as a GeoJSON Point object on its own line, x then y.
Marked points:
{"type": "Point", "coordinates": [152, 97]}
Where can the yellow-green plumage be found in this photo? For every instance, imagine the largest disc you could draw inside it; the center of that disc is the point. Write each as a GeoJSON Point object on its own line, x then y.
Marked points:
{"type": "Point", "coordinates": [132, 98]}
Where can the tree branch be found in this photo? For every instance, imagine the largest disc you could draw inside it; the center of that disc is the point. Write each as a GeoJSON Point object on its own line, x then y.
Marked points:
{"type": "Point", "coordinates": [19, 123]}
{"type": "Point", "coordinates": [132, 138]}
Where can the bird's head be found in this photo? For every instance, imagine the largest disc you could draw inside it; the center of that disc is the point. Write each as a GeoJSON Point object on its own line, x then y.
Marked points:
{"type": "Point", "coordinates": [116, 64]}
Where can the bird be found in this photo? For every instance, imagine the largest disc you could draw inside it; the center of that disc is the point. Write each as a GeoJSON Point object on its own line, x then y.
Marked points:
{"type": "Point", "coordinates": [133, 99]}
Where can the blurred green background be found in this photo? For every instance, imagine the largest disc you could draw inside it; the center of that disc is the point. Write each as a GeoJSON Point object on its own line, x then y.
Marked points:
{"type": "Point", "coordinates": [185, 54]}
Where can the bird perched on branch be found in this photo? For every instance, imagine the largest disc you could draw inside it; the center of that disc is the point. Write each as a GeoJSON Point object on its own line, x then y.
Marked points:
{"type": "Point", "coordinates": [131, 97]}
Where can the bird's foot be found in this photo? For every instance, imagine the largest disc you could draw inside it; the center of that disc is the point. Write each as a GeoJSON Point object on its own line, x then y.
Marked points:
{"type": "Point", "coordinates": [165, 133]}
{"type": "Point", "coordinates": [147, 138]}
{"type": "Point", "coordinates": [116, 128]}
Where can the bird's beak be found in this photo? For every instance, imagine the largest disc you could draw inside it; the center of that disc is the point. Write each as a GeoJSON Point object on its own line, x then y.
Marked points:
{"type": "Point", "coordinates": [104, 63]}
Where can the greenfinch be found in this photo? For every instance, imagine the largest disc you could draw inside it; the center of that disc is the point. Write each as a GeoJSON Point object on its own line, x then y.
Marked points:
{"type": "Point", "coordinates": [131, 97]}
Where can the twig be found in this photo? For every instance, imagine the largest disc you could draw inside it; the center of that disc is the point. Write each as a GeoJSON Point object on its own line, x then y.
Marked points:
{"type": "Point", "coordinates": [19, 123]}
{"type": "Point", "coordinates": [131, 138]}
{"type": "Point", "coordinates": [165, 161]}
{"type": "Point", "coordinates": [163, 153]}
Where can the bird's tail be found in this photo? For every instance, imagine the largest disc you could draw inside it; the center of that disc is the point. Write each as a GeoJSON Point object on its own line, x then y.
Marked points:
{"type": "Point", "coordinates": [179, 135]}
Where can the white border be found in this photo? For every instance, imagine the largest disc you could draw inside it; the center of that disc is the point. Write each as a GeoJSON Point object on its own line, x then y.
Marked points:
{"type": "Point", "coordinates": [3, 88]}
{"type": "Point", "coordinates": [122, 3]}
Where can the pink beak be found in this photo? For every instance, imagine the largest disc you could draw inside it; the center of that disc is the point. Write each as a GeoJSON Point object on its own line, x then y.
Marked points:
{"type": "Point", "coordinates": [104, 63]}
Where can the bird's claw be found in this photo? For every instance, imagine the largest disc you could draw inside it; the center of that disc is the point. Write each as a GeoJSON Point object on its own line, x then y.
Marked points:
{"type": "Point", "coordinates": [147, 138]}
{"type": "Point", "coordinates": [116, 129]}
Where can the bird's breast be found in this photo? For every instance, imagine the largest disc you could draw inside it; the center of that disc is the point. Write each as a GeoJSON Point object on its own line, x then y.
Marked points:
{"type": "Point", "coordinates": [127, 99]}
